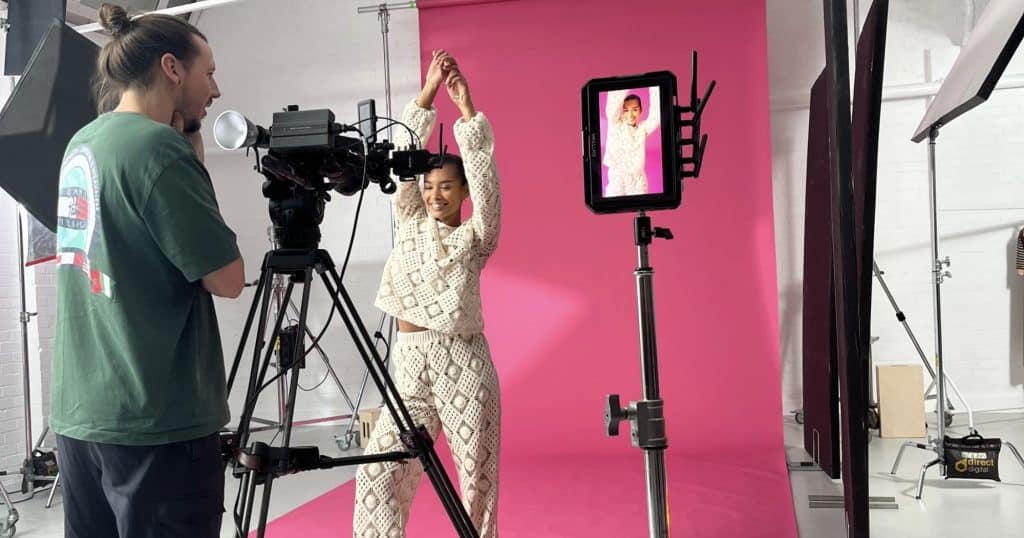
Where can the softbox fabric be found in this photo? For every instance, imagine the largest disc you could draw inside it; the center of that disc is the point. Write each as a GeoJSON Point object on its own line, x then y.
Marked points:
{"type": "Point", "coordinates": [52, 101]}
{"type": "Point", "coordinates": [978, 67]}
{"type": "Point", "coordinates": [29, 20]}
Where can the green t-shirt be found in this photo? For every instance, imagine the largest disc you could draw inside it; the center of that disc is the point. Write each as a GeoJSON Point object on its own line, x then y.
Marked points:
{"type": "Point", "coordinates": [138, 357]}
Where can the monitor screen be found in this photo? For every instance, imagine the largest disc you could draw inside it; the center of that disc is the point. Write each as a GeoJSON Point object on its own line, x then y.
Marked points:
{"type": "Point", "coordinates": [630, 153]}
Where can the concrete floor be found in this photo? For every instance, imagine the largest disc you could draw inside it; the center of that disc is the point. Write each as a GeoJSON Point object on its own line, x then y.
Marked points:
{"type": "Point", "coordinates": [948, 509]}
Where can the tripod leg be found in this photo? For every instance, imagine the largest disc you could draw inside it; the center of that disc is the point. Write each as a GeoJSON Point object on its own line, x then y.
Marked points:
{"type": "Point", "coordinates": [261, 530]}
{"type": "Point", "coordinates": [423, 444]}
{"type": "Point", "coordinates": [920, 480]}
{"type": "Point", "coordinates": [56, 482]}
{"type": "Point", "coordinates": [384, 490]}
{"type": "Point", "coordinates": [298, 356]}
{"type": "Point", "coordinates": [264, 313]}
{"type": "Point", "coordinates": [241, 502]}
{"type": "Point", "coordinates": [255, 387]}
{"type": "Point", "coordinates": [247, 491]}
{"type": "Point", "coordinates": [366, 377]}
{"type": "Point", "coordinates": [899, 457]}
{"type": "Point", "coordinates": [249, 496]}
{"type": "Point", "coordinates": [902, 318]}
{"type": "Point", "coordinates": [327, 365]}
{"type": "Point", "coordinates": [364, 344]}
{"type": "Point", "coordinates": [262, 283]}
{"type": "Point", "coordinates": [242, 512]}
{"type": "Point", "coordinates": [42, 438]}
{"type": "Point", "coordinates": [256, 380]}
{"type": "Point", "coordinates": [446, 490]}
{"type": "Point", "coordinates": [1016, 454]}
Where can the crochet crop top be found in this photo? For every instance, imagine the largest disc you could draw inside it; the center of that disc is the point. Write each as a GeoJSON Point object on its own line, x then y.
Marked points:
{"type": "Point", "coordinates": [432, 277]}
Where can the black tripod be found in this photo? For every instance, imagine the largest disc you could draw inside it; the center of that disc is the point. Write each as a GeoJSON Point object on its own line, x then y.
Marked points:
{"type": "Point", "coordinates": [258, 463]}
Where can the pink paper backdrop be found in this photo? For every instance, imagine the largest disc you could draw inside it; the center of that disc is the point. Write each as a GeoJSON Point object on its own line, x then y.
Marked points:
{"type": "Point", "coordinates": [559, 295]}
{"type": "Point", "coordinates": [652, 159]}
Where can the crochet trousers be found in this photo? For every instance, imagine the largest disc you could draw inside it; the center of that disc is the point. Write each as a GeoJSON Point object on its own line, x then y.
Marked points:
{"type": "Point", "coordinates": [446, 382]}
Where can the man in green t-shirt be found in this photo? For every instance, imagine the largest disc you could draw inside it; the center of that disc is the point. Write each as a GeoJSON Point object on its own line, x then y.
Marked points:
{"type": "Point", "coordinates": [139, 389]}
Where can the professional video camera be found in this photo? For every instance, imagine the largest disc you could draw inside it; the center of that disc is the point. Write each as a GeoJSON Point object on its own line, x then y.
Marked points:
{"type": "Point", "coordinates": [308, 156]}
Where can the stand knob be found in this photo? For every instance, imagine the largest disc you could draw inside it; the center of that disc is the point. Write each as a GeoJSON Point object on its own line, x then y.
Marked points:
{"type": "Point", "coordinates": [941, 275]}
{"type": "Point", "coordinates": [614, 414]}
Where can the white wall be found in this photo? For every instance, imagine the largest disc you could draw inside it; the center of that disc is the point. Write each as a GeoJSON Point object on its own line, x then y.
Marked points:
{"type": "Point", "coordinates": [317, 53]}
{"type": "Point", "coordinates": [321, 53]}
{"type": "Point", "coordinates": [980, 200]}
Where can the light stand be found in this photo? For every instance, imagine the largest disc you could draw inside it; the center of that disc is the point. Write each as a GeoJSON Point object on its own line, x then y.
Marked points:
{"type": "Point", "coordinates": [647, 416]}
{"type": "Point", "coordinates": [24, 318]}
{"type": "Point", "coordinates": [29, 478]}
{"type": "Point", "coordinates": [902, 318]}
{"type": "Point", "coordinates": [937, 444]}
{"type": "Point", "coordinates": [383, 11]}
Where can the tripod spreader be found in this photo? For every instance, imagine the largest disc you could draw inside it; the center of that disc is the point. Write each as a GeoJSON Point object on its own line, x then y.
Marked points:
{"type": "Point", "coordinates": [279, 461]}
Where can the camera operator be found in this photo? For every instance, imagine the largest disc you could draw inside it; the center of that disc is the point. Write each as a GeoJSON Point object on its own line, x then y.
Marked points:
{"type": "Point", "coordinates": [431, 284]}
{"type": "Point", "coordinates": [138, 378]}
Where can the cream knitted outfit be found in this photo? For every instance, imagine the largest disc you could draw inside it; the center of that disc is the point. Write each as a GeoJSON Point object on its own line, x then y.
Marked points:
{"type": "Point", "coordinates": [432, 278]}
{"type": "Point", "coordinates": [444, 375]}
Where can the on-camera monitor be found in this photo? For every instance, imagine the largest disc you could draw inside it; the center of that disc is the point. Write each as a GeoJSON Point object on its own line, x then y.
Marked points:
{"type": "Point", "coordinates": [630, 158]}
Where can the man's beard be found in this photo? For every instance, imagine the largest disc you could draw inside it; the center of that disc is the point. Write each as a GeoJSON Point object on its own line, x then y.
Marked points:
{"type": "Point", "coordinates": [192, 126]}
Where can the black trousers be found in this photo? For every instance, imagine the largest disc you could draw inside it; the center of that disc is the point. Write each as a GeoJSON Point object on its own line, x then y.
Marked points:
{"type": "Point", "coordinates": [167, 491]}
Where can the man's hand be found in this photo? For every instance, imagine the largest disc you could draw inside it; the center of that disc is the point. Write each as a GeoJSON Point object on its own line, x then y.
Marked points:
{"type": "Point", "coordinates": [194, 137]}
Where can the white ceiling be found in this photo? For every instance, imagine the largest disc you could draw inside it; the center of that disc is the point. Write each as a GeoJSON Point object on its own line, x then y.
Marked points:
{"type": "Point", "coordinates": [79, 12]}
